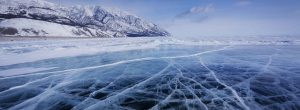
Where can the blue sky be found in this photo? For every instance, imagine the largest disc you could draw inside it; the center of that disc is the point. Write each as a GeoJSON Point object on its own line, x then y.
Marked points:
{"type": "Point", "coordinates": [212, 17]}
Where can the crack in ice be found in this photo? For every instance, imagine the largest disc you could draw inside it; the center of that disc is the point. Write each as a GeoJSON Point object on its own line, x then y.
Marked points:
{"type": "Point", "coordinates": [194, 95]}
{"type": "Point", "coordinates": [130, 88]}
{"type": "Point", "coordinates": [230, 88]}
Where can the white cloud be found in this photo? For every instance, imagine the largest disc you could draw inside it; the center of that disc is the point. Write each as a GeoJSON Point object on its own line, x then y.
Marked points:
{"type": "Point", "coordinates": [195, 14]}
{"type": "Point", "coordinates": [198, 10]}
{"type": "Point", "coordinates": [206, 9]}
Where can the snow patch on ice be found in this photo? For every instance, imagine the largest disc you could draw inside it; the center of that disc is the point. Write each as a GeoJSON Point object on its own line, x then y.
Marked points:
{"type": "Point", "coordinates": [53, 49]}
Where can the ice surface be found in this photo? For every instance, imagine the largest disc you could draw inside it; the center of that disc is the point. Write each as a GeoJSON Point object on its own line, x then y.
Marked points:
{"type": "Point", "coordinates": [20, 71]}
{"type": "Point", "coordinates": [169, 75]}
{"type": "Point", "coordinates": [28, 51]}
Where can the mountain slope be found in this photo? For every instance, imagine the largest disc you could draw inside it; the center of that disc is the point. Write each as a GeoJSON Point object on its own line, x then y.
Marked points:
{"type": "Point", "coordinates": [87, 21]}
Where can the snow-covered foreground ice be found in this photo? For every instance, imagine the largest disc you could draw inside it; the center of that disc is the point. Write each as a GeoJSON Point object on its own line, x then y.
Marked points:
{"type": "Point", "coordinates": [149, 74]}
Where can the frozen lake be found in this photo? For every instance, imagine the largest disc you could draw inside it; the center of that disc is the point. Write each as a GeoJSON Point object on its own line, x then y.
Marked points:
{"type": "Point", "coordinates": [149, 74]}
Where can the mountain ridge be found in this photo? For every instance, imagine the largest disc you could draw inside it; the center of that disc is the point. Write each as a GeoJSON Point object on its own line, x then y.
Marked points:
{"type": "Point", "coordinates": [83, 21]}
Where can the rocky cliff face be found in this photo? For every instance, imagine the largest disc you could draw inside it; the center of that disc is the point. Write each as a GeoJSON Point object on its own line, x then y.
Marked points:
{"type": "Point", "coordinates": [42, 18]}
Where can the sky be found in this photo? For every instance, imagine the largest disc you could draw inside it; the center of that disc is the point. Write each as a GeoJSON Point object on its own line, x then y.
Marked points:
{"type": "Point", "coordinates": [190, 18]}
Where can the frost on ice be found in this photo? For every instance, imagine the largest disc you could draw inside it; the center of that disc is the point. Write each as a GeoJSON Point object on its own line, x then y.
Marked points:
{"type": "Point", "coordinates": [170, 76]}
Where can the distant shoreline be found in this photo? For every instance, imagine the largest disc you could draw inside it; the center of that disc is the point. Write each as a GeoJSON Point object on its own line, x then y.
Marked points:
{"type": "Point", "coordinates": [41, 38]}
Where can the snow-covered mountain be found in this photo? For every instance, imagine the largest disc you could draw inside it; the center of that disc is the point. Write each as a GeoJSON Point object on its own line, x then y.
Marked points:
{"type": "Point", "coordinates": [42, 18]}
